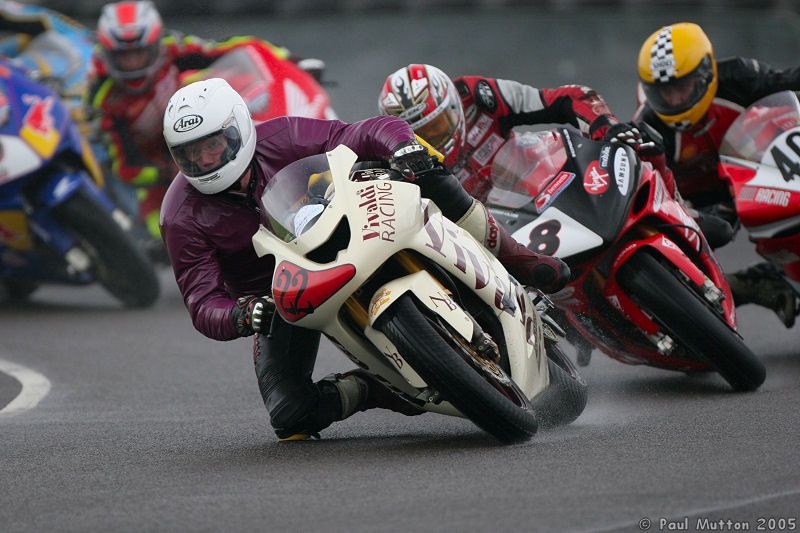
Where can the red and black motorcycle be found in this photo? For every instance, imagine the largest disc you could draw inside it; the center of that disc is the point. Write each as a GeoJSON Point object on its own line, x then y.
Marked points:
{"type": "Point", "coordinates": [760, 160]}
{"type": "Point", "coordinates": [646, 286]}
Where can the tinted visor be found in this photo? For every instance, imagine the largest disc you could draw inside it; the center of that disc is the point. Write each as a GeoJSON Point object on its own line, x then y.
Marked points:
{"type": "Point", "coordinates": [681, 94]}
{"type": "Point", "coordinates": [439, 130]}
{"type": "Point", "coordinates": [133, 62]}
{"type": "Point", "coordinates": [208, 153]}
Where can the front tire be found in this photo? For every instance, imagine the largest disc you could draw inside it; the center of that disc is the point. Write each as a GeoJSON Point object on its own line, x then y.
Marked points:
{"type": "Point", "coordinates": [19, 290]}
{"type": "Point", "coordinates": [117, 263]}
{"type": "Point", "coordinates": [690, 321]}
{"type": "Point", "coordinates": [494, 405]}
{"type": "Point", "coordinates": [565, 398]}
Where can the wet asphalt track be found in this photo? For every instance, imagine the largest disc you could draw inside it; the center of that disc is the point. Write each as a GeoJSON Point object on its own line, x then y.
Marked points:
{"type": "Point", "coordinates": [148, 426]}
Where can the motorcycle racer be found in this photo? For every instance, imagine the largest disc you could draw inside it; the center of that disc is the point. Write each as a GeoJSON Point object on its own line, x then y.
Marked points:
{"type": "Point", "coordinates": [211, 212]}
{"type": "Point", "coordinates": [692, 99]}
{"type": "Point", "coordinates": [136, 65]}
{"type": "Point", "coordinates": [469, 117]}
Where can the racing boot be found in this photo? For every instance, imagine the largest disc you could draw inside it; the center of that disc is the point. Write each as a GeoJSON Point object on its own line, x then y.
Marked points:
{"type": "Point", "coordinates": [359, 390]}
{"type": "Point", "coordinates": [543, 272]}
{"type": "Point", "coordinates": [341, 396]}
{"type": "Point", "coordinates": [763, 285]}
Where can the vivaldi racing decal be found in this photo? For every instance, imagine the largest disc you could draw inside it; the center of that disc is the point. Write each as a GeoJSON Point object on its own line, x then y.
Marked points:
{"type": "Point", "coordinates": [377, 201]}
{"type": "Point", "coordinates": [299, 292]}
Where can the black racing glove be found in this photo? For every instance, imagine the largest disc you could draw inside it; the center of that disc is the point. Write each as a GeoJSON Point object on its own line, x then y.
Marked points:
{"type": "Point", "coordinates": [411, 159]}
{"type": "Point", "coordinates": [253, 314]}
{"type": "Point", "coordinates": [625, 133]}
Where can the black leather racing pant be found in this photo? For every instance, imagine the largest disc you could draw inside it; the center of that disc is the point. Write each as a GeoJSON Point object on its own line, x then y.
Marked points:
{"type": "Point", "coordinates": [284, 361]}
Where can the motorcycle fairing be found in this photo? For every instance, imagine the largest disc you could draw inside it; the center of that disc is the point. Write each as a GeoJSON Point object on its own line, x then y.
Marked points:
{"type": "Point", "coordinates": [762, 196]}
{"type": "Point", "coordinates": [604, 212]}
{"type": "Point", "coordinates": [562, 229]}
{"type": "Point", "coordinates": [556, 233]}
{"type": "Point", "coordinates": [379, 230]}
{"type": "Point", "coordinates": [36, 135]}
{"type": "Point", "coordinates": [298, 292]}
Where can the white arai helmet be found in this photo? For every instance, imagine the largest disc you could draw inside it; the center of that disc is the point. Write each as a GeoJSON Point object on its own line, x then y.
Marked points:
{"type": "Point", "coordinates": [210, 134]}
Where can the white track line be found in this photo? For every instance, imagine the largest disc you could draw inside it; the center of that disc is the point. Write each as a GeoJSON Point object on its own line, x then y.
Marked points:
{"type": "Point", "coordinates": [34, 387]}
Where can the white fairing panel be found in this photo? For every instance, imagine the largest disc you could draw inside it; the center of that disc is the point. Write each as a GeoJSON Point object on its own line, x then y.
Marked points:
{"type": "Point", "coordinates": [567, 237]}
{"type": "Point", "coordinates": [19, 159]}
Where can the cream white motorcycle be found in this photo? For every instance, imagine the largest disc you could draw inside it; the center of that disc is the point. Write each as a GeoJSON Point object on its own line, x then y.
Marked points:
{"type": "Point", "coordinates": [412, 298]}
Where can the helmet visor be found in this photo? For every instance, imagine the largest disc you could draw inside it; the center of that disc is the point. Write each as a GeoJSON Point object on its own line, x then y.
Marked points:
{"type": "Point", "coordinates": [439, 130]}
{"type": "Point", "coordinates": [209, 153]}
{"type": "Point", "coordinates": [130, 63]}
{"type": "Point", "coordinates": [680, 94]}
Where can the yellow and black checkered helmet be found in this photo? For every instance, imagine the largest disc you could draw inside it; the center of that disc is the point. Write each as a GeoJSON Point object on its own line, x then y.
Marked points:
{"type": "Point", "coordinates": [678, 74]}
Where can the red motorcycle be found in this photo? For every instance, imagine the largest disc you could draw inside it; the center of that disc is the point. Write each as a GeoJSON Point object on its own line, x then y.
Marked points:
{"type": "Point", "coordinates": [646, 286]}
{"type": "Point", "coordinates": [272, 87]}
{"type": "Point", "coordinates": [760, 160]}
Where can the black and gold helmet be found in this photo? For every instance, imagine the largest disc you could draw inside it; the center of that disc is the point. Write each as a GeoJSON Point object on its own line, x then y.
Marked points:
{"type": "Point", "coordinates": [678, 74]}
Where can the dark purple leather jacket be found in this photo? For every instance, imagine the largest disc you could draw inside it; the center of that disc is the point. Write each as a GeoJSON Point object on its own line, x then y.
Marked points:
{"type": "Point", "coordinates": [208, 237]}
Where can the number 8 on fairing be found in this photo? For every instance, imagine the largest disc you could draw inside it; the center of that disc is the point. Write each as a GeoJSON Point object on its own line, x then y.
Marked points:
{"type": "Point", "coordinates": [544, 238]}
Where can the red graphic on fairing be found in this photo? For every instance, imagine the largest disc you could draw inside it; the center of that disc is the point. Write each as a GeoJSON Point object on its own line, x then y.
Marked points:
{"type": "Point", "coordinates": [595, 181]}
{"type": "Point", "coordinates": [39, 117]}
{"type": "Point", "coordinates": [299, 292]}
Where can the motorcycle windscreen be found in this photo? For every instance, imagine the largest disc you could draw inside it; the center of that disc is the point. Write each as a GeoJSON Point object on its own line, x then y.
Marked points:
{"type": "Point", "coordinates": [589, 194]}
{"type": "Point", "coordinates": [54, 60]}
{"type": "Point", "coordinates": [524, 167]}
{"type": "Point", "coordinates": [246, 72]}
{"type": "Point", "coordinates": [767, 133]}
{"type": "Point", "coordinates": [752, 133]}
{"type": "Point", "coordinates": [296, 196]}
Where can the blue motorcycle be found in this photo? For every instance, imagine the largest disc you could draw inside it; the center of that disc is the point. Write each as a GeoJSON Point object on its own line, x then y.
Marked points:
{"type": "Point", "coordinates": [57, 225]}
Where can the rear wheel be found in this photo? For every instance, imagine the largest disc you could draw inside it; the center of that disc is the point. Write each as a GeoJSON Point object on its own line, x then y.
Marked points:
{"type": "Point", "coordinates": [690, 321]}
{"type": "Point", "coordinates": [479, 389]}
{"type": "Point", "coordinates": [117, 263]}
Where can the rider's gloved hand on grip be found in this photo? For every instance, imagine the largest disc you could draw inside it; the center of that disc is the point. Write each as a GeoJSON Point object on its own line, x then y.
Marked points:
{"type": "Point", "coordinates": [625, 133]}
{"type": "Point", "coordinates": [411, 159]}
{"type": "Point", "coordinates": [253, 314]}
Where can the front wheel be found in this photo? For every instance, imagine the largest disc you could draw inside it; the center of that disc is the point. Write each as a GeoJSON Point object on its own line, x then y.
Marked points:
{"type": "Point", "coordinates": [117, 263]}
{"type": "Point", "coordinates": [565, 398]}
{"type": "Point", "coordinates": [479, 389]}
{"type": "Point", "coordinates": [693, 324]}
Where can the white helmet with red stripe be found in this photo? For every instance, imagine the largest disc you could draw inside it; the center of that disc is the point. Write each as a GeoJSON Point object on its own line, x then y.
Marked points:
{"type": "Point", "coordinates": [130, 42]}
{"type": "Point", "coordinates": [426, 98]}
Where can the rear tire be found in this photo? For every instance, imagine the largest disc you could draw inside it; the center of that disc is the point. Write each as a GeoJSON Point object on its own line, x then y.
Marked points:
{"type": "Point", "coordinates": [690, 321]}
{"type": "Point", "coordinates": [117, 263]}
{"type": "Point", "coordinates": [443, 366]}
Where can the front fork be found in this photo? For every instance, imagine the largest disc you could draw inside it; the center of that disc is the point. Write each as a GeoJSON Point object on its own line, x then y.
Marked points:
{"type": "Point", "coordinates": [480, 342]}
{"type": "Point", "coordinates": [689, 272]}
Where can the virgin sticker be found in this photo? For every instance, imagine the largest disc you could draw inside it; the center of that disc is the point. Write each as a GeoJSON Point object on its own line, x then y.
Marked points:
{"type": "Point", "coordinates": [595, 181]}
